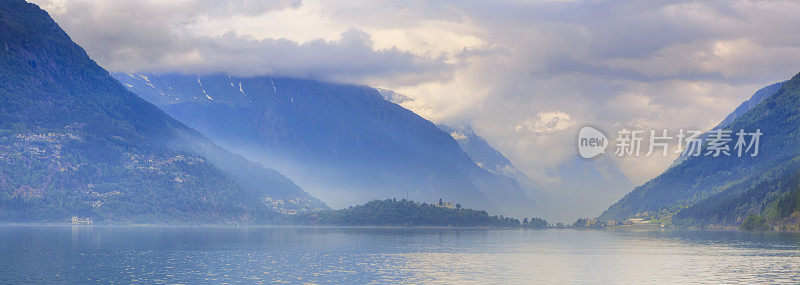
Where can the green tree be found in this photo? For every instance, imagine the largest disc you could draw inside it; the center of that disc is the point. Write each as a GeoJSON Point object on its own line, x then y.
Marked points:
{"type": "Point", "coordinates": [755, 222]}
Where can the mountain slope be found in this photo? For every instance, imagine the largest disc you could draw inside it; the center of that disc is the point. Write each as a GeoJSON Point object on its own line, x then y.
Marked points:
{"type": "Point", "coordinates": [490, 159]}
{"type": "Point", "coordinates": [751, 103]}
{"type": "Point", "coordinates": [740, 110]}
{"type": "Point", "coordinates": [343, 143]}
{"type": "Point", "coordinates": [695, 188]}
{"type": "Point", "coordinates": [484, 155]}
{"type": "Point", "coordinates": [74, 142]}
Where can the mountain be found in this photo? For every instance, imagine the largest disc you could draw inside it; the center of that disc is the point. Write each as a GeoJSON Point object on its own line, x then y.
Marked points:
{"type": "Point", "coordinates": [565, 198]}
{"type": "Point", "coordinates": [344, 144]}
{"type": "Point", "coordinates": [484, 155]}
{"type": "Point", "coordinates": [478, 149]}
{"type": "Point", "coordinates": [726, 190]}
{"type": "Point", "coordinates": [487, 157]}
{"type": "Point", "coordinates": [75, 142]}
{"type": "Point", "coordinates": [751, 103]}
{"type": "Point", "coordinates": [586, 187]}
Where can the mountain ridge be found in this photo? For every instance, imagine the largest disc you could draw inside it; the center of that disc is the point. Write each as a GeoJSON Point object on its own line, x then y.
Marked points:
{"type": "Point", "coordinates": [357, 145]}
{"type": "Point", "coordinates": [688, 192]}
{"type": "Point", "coordinates": [74, 142]}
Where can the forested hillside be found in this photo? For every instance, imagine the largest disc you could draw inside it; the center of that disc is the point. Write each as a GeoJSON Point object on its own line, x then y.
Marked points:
{"type": "Point", "coordinates": [723, 191]}
{"type": "Point", "coordinates": [75, 142]}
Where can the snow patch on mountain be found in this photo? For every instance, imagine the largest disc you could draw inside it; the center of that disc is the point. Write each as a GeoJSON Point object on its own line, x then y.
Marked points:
{"type": "Point", "coordinates": [394, 97]}
{"type": "Point", "coordinates": [457, 135]}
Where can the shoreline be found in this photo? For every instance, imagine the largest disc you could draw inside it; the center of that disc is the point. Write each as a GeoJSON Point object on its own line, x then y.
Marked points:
{"type": "Point", "coordinates": [609, 229]}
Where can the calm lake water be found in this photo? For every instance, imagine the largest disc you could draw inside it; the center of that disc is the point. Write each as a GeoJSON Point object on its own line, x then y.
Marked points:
{"type": "Point", "coordinates": [81, 254]}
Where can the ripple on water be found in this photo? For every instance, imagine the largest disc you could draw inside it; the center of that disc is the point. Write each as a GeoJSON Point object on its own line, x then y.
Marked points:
{"type": "Point", "coordinates": [302, 255]}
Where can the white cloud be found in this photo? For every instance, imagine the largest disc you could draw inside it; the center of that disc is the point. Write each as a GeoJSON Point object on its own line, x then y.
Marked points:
{"type": "Point", "coordinates": [547, 122]}
{"type": "Point", "coordinates": [202, 36]}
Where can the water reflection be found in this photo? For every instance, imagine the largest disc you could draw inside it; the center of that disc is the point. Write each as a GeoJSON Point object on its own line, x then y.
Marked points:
{"type": "Point", "coordinates": [386, 255]}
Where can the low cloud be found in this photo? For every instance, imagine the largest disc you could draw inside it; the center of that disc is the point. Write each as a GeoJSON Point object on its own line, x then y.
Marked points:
{"type": "Point", "coordinates": [156, 36]}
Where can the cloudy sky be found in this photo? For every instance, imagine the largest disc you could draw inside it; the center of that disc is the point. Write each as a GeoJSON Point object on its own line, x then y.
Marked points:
{"type": "Point", "coordinates": [525, 74]}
